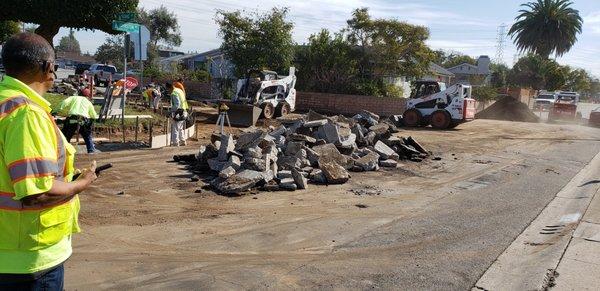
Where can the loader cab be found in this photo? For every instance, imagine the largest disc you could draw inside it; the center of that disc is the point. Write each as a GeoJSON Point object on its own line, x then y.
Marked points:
{"type": "Point", "coordinates": [423, 88]}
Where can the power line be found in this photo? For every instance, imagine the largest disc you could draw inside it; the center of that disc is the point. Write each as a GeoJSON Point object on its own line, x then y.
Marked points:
{"type": "Point", "coordinates": [500, 43]}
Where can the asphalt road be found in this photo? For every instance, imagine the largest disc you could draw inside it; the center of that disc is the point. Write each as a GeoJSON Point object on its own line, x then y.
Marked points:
{"type": "Point", "coordinates": [434, 225]}
{"type": "Point", "coordinates": [452, 242]}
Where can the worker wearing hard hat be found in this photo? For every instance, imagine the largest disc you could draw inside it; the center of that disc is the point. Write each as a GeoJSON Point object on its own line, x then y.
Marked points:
{"type": "Point", "coordinates": [179, 84]}
{"type": "Point", "coordinates": [80, 114]}
{"type": "Point", "coordinates": [179, 114]}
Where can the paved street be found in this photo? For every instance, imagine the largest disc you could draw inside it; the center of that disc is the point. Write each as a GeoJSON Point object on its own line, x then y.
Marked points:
{"type": "Point", "coordinates": [438, 225]}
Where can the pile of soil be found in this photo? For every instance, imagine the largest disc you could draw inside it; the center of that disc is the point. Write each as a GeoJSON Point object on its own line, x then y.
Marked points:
{"type": "Point", "coordinates": [508, 108]}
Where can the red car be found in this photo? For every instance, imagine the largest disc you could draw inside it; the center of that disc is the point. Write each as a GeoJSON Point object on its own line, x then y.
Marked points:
{"type": "Point", "coordinates": [595, 117]}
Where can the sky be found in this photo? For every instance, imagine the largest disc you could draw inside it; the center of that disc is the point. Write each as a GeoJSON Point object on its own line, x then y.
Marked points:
{"type": "Point", "coordinates": [470, 27]}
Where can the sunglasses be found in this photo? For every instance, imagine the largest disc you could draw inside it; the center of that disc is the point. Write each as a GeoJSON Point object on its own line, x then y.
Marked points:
{"type": "Point", "coordinates": [46, 65]}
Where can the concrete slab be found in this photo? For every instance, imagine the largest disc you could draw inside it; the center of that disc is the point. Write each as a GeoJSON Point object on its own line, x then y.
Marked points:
{"type": "Point", "coordinates": [588, 231]}
{"type": "Point", "coordinates": [582, 250]}
{"type": "Point", "coordinates": [577, 275]}
{"type": "Point", "coordinates": [593, 213]}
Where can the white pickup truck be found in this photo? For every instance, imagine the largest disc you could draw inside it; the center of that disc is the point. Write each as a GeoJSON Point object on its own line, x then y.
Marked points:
{"type": "Point", "coordinates": [103, 74]}
{"type": "Point", "coordinates": [544, 101]}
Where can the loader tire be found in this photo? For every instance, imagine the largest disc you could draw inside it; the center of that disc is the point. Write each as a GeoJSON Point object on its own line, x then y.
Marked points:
{"type": "Point", "coordinates": [268, 112]}
{"type": "Point", "coordinates": [412, 118]}
{"type": "Point", "coordinates": [283, 109]}
{"type": "Point", "coordinates": [440, 119]}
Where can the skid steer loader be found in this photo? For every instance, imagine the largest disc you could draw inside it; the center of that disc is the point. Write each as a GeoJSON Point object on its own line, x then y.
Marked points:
{"type": "Point", "coordinates": [262, 94]}
{"type": "Point", "coordinates": [431, 103]}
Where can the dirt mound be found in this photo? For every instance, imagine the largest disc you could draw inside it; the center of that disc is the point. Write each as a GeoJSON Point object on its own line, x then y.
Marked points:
{"type": "Point", "coordinates": [508, 108]}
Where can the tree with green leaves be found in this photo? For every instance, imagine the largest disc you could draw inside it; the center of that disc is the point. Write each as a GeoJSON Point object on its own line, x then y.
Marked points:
{"type": "Point", "coordinates": [539, 73]}
{"type": "Point", "coordinates": [51, 15]}
{"type": "Point", "coordinates": [257, 41]}
{"type": "Point", "coordinates": [546, 27]}
{"type": "Point", "coordinates": [578, 80]}
{"type": "Point", "coordinates": [163, 26]}
{"type": "Point", "coordinates": [7, 29]}
{"type": "Point", "coordinates": [111, 52]}
{"type": "Point", "coordinates": [455, 59]}
{"type": "Point", "coordinates": [500, 74]}
{"type": "Point", "coordinates": [451, 59]}
{"type": "Point", "coordinates": [164, 30]}
{"type": "Point", "coordinates": [69, 43]}
{"type": "Point", "coordinates": [389, 47]}
{"type": "Point", "coordinates": [326, 64]}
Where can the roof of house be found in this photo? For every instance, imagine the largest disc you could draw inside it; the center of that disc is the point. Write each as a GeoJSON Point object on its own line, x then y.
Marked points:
{"type": "Point", "coordinates": [437, 69]}
{"type": "Point", "coordinates": [176, 58]}
{"type": "Point", "coordinates": [75, 57]}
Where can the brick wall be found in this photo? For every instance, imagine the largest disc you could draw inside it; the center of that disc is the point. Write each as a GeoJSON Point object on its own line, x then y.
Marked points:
{"type": "Point", "coordinates": [197, 90]}
{"type": "Point", "coordinates": [348, 104]}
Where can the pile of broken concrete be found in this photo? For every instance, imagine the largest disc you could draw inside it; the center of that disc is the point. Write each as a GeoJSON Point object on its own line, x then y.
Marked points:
{"type": "Point", "coordinates": [314, 148]}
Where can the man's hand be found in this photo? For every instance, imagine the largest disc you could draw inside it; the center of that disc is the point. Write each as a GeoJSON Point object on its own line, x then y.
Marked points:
{"type": "Point", "coordinates": [88, 175]}
{"type": "Point", "coordinates": [62, 191]}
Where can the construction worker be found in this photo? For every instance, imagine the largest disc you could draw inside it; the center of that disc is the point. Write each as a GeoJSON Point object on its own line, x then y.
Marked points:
{"type": "Point", "coordinates": [179, 84]}
{"type": "Point", "coordinates": [150, 95]}
{"type": "Point", "coordinates": [38, 200]}
{"type": "Point", "coordinates": [179, 114]}
{"type": "Point", "coordinates": [80, 114]}
{"type": "Point", "coordinates": [156, 100]}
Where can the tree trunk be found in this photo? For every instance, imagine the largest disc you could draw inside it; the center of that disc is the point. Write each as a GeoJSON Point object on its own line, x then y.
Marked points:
{"type": "Point", "coordinates": [48, 32]}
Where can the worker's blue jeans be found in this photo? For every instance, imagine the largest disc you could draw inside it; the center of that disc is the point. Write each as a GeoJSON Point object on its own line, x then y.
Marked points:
{"type": "Point", "coordinates": [51, 281]}
{"type": "Point", "coordinates": [85, 130]}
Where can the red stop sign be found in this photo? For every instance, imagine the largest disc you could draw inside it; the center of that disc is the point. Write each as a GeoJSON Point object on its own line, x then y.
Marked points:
{"type": "Point", "coordinates": [130, 83]}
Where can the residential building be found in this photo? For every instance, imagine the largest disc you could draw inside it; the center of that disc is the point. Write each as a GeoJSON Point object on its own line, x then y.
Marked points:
{"type": "Point", "coordinates": [439, 74]}
{"type": "Point", "coordinates": [72, 59]}
{"type": "Point", "coordinates": [167, 53]}
{"type": "Point", "coordinates": [478, 74]}
{"type": "Point", "coordinates": [436, 73]}
{"type": "Point", "coordinates": [214, 61]}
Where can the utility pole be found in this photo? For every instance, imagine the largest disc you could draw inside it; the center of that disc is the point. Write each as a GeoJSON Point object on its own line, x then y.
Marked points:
{"type": "Point", "coordinates": [500, 43]}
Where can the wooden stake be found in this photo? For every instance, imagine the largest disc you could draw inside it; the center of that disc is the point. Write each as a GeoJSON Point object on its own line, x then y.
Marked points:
{"type": "Point", "coordinates": [137, 127]}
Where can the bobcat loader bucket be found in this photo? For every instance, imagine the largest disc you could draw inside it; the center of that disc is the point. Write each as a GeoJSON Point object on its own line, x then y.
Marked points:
{"type": "Point", "coordinates": [243, 114]}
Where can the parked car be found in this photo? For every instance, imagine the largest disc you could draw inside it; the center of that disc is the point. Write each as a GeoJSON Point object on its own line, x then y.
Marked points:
{"type": "Point", "coordinates": [81, 68]}
{"type": "Point", "coordinates": [544, 101]}
{"type": "Point", "coordinates": [103, 74]}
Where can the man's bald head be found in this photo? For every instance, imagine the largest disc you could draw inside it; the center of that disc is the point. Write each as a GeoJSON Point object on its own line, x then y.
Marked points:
{"type": "Point", "coordinates": [24, 54]}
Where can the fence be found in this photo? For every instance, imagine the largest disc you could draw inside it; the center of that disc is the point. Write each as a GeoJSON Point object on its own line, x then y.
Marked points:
{"type": "Point", "coordinates": [349, 104]}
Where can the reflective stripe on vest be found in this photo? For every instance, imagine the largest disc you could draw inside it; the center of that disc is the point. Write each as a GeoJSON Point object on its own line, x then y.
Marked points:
{"type": "Point", "coordinates": [11, 104]}
{"type": "Point", "coordinates": [33, 167]}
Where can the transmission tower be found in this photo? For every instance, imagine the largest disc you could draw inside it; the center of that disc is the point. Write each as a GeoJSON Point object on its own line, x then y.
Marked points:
{"type": "Point", "coordinates": [500, 43]}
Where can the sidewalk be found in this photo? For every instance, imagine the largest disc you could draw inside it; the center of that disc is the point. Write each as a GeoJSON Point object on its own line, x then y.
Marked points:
{"type": "Point", "coordinates": [579, 267]}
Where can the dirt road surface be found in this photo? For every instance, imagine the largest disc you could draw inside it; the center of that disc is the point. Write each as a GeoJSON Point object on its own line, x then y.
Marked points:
{"type": "Point", "coordinates": [431, 225]}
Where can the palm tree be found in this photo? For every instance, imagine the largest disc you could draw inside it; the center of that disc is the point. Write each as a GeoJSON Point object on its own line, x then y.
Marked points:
{"type": "Point", "coordinates": [548, 27]}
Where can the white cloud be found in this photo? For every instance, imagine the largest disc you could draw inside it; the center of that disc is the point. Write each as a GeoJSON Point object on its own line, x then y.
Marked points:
{"type": "Point", "coordinates": [592, 21]}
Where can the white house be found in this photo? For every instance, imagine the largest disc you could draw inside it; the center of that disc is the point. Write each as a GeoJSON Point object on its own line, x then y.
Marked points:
{"type": "Point", "coordinates": [466, 73]}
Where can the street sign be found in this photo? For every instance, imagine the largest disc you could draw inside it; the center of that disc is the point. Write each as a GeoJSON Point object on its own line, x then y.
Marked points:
{"type": "Point", "coordinates": [125, 26]}
{"type": "Point", "coordinates": [126, 16]}
{"type": "Point", "coordinates": [131, 83]}
{"type": "Point", "coordinates": [140, 42]}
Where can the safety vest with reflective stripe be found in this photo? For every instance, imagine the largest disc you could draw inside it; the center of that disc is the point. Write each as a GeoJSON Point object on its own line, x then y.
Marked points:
{"type": "Point", "coordinates": [148, 94]}
{"type": "Point", "coordinates": [182, 99]}
{"type": "Point", "coordinates": [22, 227]}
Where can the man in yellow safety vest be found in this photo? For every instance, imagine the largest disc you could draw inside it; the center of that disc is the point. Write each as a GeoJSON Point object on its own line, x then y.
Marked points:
{"type": "Point", "coordinates": [179, 113]}
{"type": "Point", "coordinates": [80, 114]}
{"type": "Point", "coordinates": [38, 200]}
